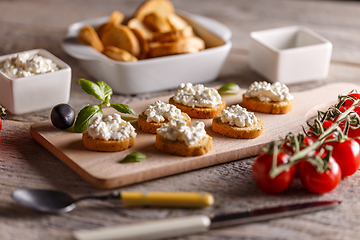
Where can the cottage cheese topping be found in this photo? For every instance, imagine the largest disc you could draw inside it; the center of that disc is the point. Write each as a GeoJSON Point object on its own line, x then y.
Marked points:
{"type": "Point", "coordinates": [160, 111]}
{"type": "Point", "coordinates": [197, 96]}
{"type": "Point", "coordinates": [238, 116]}
{"type": "Point", "coordinates": [178, 131]}
{"type": "Point", "coordinates": [24, 65]}
{"type": "Point", "coordinates": [267, 92]}
{"type": "Point", "coordinates": [112, 127]}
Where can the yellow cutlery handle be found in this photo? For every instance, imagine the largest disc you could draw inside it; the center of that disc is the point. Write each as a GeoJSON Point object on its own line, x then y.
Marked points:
{"type": "Point", "coordinates": [167, 199]}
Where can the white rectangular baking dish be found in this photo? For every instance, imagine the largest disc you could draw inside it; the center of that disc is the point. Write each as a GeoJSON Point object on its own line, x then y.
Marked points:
{"type": "Point", "coordinates": [157, 73]}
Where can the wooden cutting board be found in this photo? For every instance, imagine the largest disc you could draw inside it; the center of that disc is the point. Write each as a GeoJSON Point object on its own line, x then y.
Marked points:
{"type": "Point", "coordinates": [103, 170]}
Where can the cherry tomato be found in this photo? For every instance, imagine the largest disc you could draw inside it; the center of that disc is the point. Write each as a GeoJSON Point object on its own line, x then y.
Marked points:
{"type": "Point", "coordinates": [347, 155]}
{"type": "Point", "coordinates": [315, 135]}
{"type": "Point", "coordinates": [348, 103]}
{"type": "Point", "coordinates": [316, 182]}
{"type": "Point", "coordinates": [261, 169]}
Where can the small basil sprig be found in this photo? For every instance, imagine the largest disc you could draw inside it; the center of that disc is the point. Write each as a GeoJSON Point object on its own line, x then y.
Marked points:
{"type": "Point", "coordinates": [103, 92]}
{"type": "Point", "coordinates": [230, 88]}
{"type": "Point", "coordinates": [134, 157]}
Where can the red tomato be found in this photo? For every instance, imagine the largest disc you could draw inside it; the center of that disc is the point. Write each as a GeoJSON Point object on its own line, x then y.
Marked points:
{"type": "Point", "coordinates": [347, 155]}
{"type": "Point", "coordinates": [348, 103]}
{"type": "Point", "coordinates": [315, 135]}
{"type": "Point", "coordinates": [316, 182]}
{"type": "Point", "coordinates": [261, 169]}
{"type": "Point", "coordinates": [0, 123]}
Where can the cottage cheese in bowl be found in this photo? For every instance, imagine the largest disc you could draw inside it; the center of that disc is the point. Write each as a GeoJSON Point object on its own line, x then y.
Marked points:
{"type": "Point", "coordinates": [26, 65]}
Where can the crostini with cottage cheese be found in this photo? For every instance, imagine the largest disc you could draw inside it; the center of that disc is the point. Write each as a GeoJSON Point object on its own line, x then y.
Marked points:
{"type": "Point", "coordinates": [268, 98]}
{"type": "Point", "coordinates": [198, 101]}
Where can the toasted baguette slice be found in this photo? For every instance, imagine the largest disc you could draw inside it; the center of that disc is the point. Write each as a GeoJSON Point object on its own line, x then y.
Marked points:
{"type": "Point", "coordinates": [150, 127]}
{"type": "Point", "coordinates": [135, 23]}
{"type": "Point", "coordinates": [181, 149]}
{"type": "Point", "coordinates": [173, 35]}
{"type": "Point", "coordinates": [176, 22]}
{"type": "Point", "coordinates": [122, 37]}
{"type": "Point", "coordinates": [106, 146]}
{"type": "Point", "coordinates": [254, 104]}
{"type": "Point", "coordinates": [157, 23]}
{"type": "Point", "coordinates": [161, 7]}
{"type": "Point", "coordinates": [237, 132]}
{"type": "Point", "coordinates": [115, 18]}
{"type": "Point", "coordinates": [200, 112]}
{"type": "Point", "coordinates": [143, 42]}
{"type": "Point", "coordinates": [119, 54]}
{"type": "Point", "coordinates": [88, 36]}
{"type": "Point", "coordinates": [183, 45]}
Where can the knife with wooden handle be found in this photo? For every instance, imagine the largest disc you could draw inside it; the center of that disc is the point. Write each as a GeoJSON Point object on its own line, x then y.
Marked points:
{"type": "Point", "coordinates": [175, 227]}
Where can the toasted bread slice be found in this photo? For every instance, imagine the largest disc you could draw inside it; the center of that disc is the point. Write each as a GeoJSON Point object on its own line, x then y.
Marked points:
{"type": "Point", "coordinates": [119, 54]}
{"type": "Point", "coordinates": [176, 22]}
{"type": "Point", "coordinates": [106, 146]}
{"type": "Point", "coordinates": [237, 132]}
{"type": "Point", "coordinates": [143, 42]}
{"type": "Point", "coordinates": [115, 18]}
{"type": "Point", "coordinates": [88, 36]}
{"type": "Point", "coordinates": [161, 7]}
{"type": "Point", "coordinates": [200, 112]}
{"type": "Point", "coordinates": [181, 149]}
{"type": "Point", "coordinates": [254, 104]}
{"type": "Point", "coordinates": [135, 23]}
{"type": "Point", "coordinates": [122, 37]}
{"type": "Point", "coordinates": [173, 35]}
{"type": "Point", "coordinates": [150, 127]}
{"type": "Point", "coordinates": [182, 45]}
{"type": "Point", "coordinates": [157, 23]}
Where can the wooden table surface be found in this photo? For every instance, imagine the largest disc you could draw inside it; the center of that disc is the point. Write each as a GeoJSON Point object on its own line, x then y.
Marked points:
{"type": "Point", "coordinates": [30, 24]}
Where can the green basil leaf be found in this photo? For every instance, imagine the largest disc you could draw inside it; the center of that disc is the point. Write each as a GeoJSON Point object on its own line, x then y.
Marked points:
{"type": "Point", "coordinates": [127, 118]}
{"type": "Point", "coordinates": [122, 108]}
{"type": "Point", "coordinates": [106, 89]}
{"type": "Point", "coordinates": [86, 116]}
{"type": "Point", "coordinates": [134, 157]}
{"type": "Point", "coordinates": [91, 88]}
{"type": "Point", "coordinates": [230, 88]}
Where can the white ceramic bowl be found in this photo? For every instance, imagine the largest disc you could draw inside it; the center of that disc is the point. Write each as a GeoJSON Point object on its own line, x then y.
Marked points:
{"type": "Point", "coordinates": [157, 73]}
{"type": "Point", "coordinates": [38, 92]}
{"type": "Point", "coordinates": [290, 54]}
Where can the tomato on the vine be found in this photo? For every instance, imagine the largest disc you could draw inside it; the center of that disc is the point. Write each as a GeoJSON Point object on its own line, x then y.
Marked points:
{"type": "Point", "coordinates": [319, 182]}
{"type": "Point", "coordinates": [347, 155]}
{"type": "Point", "coordinates": [261, 173]}
{"type": "Point", "coordinates": [348, 103]}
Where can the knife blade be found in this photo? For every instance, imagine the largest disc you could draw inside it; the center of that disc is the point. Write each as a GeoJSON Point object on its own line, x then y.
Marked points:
{"type": "Point", "coordinates": [176, 227]}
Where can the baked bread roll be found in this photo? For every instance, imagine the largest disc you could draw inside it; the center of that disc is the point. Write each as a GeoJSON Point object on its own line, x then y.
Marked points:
{"type": "Point", "coordinates": [170, 138]}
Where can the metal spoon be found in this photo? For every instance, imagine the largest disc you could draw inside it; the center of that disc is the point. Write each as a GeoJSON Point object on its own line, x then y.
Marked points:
{"type": "Point", "coordinates": [52, 201]}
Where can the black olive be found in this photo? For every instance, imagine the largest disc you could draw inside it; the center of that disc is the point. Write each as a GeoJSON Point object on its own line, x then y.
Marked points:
{"type": "Point", "coordinates": [62, 116]}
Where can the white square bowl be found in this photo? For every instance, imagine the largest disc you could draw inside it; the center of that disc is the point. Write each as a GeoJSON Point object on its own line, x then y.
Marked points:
{"type": "Point", "coordinates": [156, 73]}
{"type": "Point", "coordinates": [37, 92]}
{"type": "Point", "coordinates": [290, 54]}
